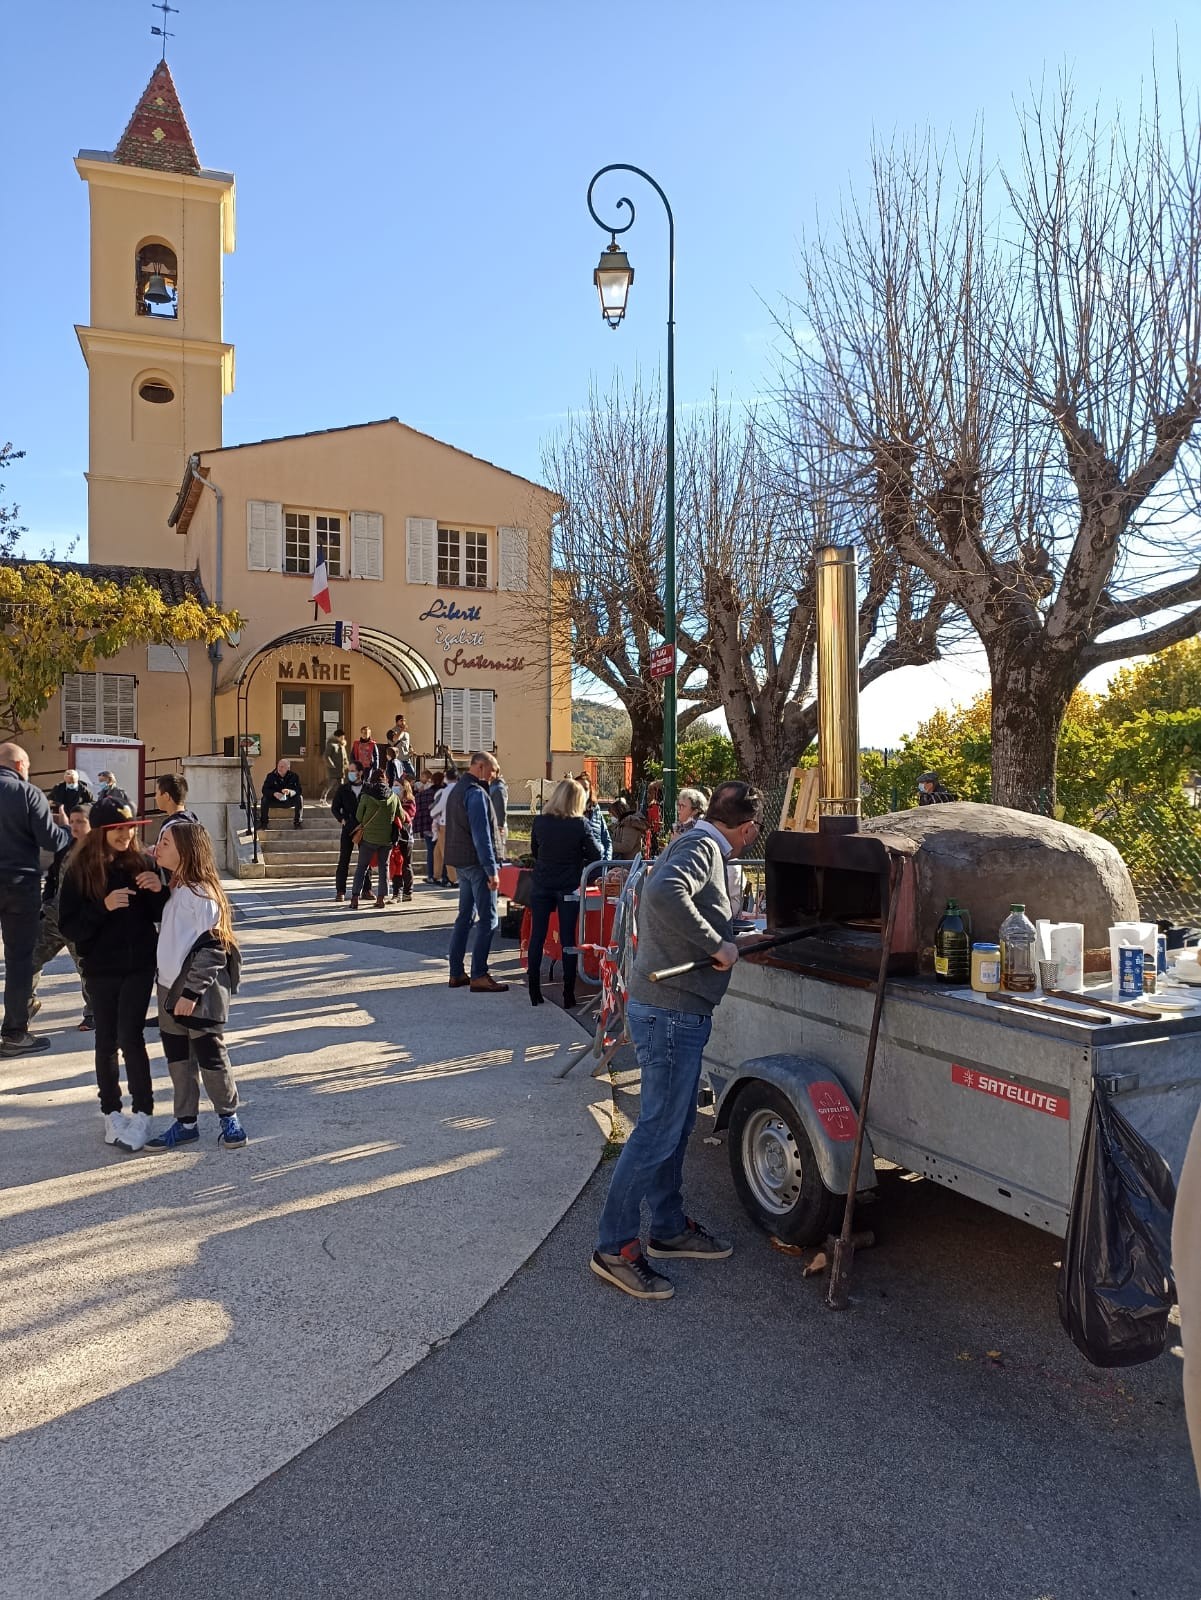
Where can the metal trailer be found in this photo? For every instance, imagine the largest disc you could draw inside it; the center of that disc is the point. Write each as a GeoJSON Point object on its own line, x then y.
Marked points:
{"type": "Point", "coordinates": [984, 1099]}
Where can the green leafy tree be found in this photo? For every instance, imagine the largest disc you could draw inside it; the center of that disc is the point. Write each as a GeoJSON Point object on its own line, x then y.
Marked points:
{"type": "Point", "coordinates": [56, 620]}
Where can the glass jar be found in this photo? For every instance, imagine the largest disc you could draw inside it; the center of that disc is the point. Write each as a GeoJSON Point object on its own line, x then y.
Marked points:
{"type": "Point", "coordinates": [986, 968]}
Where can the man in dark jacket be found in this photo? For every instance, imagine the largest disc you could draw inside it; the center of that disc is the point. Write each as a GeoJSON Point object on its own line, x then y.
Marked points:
{"type": "Point", "coordinates": [26, 828]}
{"type": "Point", "coordinates": [474, 849]}
{"type": "Point", "coordinates": [281, 787]}
{"type": "Point", "coordinates": [72, 792]}
{"type": "Point", "coordinates": [51, 938]}
{"type": "Point", "coordinates": [344, 808]}
{"type": "Point", "coordinates": [930, 791]}
{"type": "Point", "coordinates": [684, 916]}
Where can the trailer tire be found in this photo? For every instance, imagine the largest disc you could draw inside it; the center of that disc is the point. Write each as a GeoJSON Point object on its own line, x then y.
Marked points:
{"type": "Point", "coordinates": [774, 1168]}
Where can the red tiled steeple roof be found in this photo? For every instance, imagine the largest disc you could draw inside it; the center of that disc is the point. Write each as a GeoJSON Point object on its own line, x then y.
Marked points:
{"type": "Point", "coordinates": [157, 135]}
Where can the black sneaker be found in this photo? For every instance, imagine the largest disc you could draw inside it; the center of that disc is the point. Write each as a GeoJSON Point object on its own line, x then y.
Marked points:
{"type": "Point", "coordinates": [630, 1272]}
{"type": "Point", "coordinates": [24, 1044]}
{"type": "Point", "coordinates": [696, 1243]}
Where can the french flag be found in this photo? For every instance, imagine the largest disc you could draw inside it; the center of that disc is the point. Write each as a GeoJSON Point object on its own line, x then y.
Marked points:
{"type": "Point", "coordinates": [320, 585]}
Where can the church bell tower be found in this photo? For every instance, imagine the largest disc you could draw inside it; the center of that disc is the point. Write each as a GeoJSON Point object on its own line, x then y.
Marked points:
{"type": "Point", "coordinates": [158, 367]}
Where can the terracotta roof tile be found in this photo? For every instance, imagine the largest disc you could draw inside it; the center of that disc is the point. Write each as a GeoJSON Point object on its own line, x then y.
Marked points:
{"type": "Point", "coordinates": [172, 584]}
{"type": "Point", "coordinates": [157, 135]}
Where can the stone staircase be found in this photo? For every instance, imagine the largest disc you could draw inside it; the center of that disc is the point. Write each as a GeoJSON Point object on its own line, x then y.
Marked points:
{"type": "Point", "coordinates": [308, 852]}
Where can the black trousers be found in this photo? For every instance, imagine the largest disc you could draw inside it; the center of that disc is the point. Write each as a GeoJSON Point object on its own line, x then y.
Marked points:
{"type": "Point", "coordinates": [542, 904]}
{"type": "Point", "coordinates": [119, 1007]}
{"type": "Point", "coordinates": [296, 805]}
{"type": "Point", "coordinates": [20, 919]}
{"type": "Point", "coordinates": [404, 883]}
{"type": "Point", "coordinates": [345, 851]}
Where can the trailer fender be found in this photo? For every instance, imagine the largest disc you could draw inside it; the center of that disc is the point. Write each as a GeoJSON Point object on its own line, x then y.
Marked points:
{"type": "Point", "coordinates": [823, 1105]}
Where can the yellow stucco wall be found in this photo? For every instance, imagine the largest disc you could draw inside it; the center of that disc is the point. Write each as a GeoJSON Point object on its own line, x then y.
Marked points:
{"type": "Point", "coordinates": [137, 450]}
{"type": "Point", "coordinates": [399, 473]}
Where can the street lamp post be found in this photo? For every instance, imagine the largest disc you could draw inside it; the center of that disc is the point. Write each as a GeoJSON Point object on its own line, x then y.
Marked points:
{"type": "Point", "coordinates": [613, 278]}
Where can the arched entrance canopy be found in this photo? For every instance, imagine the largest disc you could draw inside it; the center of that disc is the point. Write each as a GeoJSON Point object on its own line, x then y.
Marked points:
{"type": "Point", "coordinates": [408, 667]}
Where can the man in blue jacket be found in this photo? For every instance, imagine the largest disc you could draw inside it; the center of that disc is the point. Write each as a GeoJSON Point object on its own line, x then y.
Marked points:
{"type": "Point", "coordinates": [26, 828]}
{"type": "Point", "coordinates": [474, 848]}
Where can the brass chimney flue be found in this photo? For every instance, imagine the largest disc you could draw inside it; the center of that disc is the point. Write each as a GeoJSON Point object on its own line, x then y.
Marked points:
{"type": "Point", "coordinates": [838, 805]}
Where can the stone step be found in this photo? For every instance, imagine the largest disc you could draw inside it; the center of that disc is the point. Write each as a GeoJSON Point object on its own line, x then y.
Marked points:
{"type": "Point", "coordinates": [301, 843]}
{"type": "Point", "coordinates": [318, 865]}
{"type": "Point", "coordinates": [299, 869]}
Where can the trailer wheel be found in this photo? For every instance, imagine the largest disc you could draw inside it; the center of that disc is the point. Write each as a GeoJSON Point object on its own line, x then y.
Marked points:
{"type": "Point", "coordinates": [774, 1168]}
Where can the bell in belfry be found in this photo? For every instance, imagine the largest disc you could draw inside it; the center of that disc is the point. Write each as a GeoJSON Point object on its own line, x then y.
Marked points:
{"type": "Point", "coordinates": [156, 290]}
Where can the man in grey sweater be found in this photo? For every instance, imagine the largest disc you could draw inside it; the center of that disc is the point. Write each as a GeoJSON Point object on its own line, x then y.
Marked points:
{"type": "Point", "coordinates": [683, 915]}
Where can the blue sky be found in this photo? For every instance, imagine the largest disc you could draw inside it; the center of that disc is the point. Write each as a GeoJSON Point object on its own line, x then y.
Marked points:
{"type": "Point", "coordinates": [412, 233]}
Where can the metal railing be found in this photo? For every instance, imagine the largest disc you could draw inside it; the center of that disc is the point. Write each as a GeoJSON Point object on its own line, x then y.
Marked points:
{"type": "Point", "coordinates": [250, 806]}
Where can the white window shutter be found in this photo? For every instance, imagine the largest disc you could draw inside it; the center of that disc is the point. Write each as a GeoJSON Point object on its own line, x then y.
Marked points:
{"type": "Point", "coordinates": [481, 719]}
{"type": "Point", "coordinates": [264, 536]}
{"type": "Point", "coordinates": [118, 705]}
{"type": "Point", "coordinates": [366, 544]}
{"type": "Point", "coordinates": [422, 540]}
{"type": "Point", "coordinates": [514, 558]}
{"type": "Point", "coordinates": [79, 692]}
{"type": "Point", "coordinates": [454, 716]}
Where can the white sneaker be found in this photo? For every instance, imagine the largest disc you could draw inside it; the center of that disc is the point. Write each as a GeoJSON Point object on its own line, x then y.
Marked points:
{"type": "Point", "coordinates": [136, 1132]}
{"type": "Point", "coordinates": [116, 1126]}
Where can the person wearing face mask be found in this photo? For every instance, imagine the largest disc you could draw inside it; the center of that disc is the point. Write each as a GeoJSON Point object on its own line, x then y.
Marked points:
{"type": "Point", "coordinates": [343, 807]}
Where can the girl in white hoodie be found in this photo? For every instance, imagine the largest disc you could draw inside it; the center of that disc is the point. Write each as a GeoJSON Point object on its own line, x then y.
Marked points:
{"type": "Point", "coordinates": [198, 968]}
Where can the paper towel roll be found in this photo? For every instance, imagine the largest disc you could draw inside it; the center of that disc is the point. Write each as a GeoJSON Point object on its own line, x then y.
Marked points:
{"type": "Point", "coordinates": [1066, 945]}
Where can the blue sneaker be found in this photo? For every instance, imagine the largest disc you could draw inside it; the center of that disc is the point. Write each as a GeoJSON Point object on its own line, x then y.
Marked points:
{"type": "Point", "coordinates": [232, 1131]}
{"type": "Point", "coordinates": [177, 1133]}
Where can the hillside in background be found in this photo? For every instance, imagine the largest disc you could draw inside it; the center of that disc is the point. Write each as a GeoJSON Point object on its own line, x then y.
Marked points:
{"type": "Point", "coordinates": [594, 727]}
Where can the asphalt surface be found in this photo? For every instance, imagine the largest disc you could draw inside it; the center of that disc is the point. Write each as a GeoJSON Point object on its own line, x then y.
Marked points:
{"type": "Point", "coordinates": [941, 1439]}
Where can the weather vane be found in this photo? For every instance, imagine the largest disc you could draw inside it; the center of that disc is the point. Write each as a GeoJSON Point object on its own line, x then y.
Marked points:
{"type": "Point", "coordinates": [161, 33]}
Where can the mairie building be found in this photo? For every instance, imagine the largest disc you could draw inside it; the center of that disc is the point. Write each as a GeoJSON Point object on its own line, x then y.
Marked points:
{"type": "Point", "coordinates": [439, 563]}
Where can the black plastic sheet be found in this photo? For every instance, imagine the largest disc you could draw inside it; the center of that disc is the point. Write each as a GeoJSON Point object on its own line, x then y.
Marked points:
{"type": "Point", "coordinates": [1115, 1285]}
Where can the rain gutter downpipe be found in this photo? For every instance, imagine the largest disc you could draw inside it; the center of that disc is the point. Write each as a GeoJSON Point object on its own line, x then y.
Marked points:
{"type": "Point", "coordinates": [218, 596]}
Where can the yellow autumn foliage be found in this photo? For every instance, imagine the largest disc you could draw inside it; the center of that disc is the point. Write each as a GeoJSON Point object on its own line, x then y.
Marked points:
{"type": "Point", "coordinates": [55, 620]}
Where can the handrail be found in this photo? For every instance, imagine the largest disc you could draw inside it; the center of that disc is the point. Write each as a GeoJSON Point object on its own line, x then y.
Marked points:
{"type": "Point", "coordinates": [250, 806]}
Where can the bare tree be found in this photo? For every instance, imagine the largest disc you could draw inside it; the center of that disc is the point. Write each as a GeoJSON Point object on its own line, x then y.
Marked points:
{"type": "Point", "coordinates": [751, 517]}
{"type": "Point", "coordinates": [10, 529]}
{"type": "Point", "coordinates": [1019, 394]}
{"type": "Point", "coordinates": [609, 469]}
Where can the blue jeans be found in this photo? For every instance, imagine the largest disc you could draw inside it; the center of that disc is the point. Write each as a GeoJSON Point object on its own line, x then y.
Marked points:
{"type": "Point", "coordinates": [651, 1166]}
{"type": "Point", "coordinates": [475, 900]}
{"type": "Point", "coordinates": [20, 919]}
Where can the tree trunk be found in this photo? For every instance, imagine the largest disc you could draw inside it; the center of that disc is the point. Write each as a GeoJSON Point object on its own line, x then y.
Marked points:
{"type": "Point", "coordinates": [1030, 693]}
{"type": "Point", "coordinates": [646, 737]}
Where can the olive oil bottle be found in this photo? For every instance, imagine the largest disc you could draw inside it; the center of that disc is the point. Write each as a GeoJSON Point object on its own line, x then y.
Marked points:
{"type": "Point", "coordinates": [953, 946]}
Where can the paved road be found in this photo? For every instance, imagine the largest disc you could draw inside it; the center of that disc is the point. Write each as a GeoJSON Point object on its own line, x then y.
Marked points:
{"type": "Point", "coordinates": [174, 1328]}
{"type": "Point", "coordinates": [941, 1440]}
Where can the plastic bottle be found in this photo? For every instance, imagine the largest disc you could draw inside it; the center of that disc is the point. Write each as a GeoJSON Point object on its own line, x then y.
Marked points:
{"type": "Point", "coordinates": [953, 946]}
{"type": "Point", "coordinates": [1017, 938]}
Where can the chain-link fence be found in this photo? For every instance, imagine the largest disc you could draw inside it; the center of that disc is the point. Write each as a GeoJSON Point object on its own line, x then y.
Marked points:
{"type": "Point", "coordinates": [1159, 840]}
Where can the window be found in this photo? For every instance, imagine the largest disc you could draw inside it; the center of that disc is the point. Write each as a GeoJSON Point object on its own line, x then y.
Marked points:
{"type": "Point", "coordinates": [306, 532]}
{"type": "Point", "coordinates": [469, 719]}
{"type": "Point", "coordinates": [100, 702]}
{"type": "Point", "coordinates": [462, 558]}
